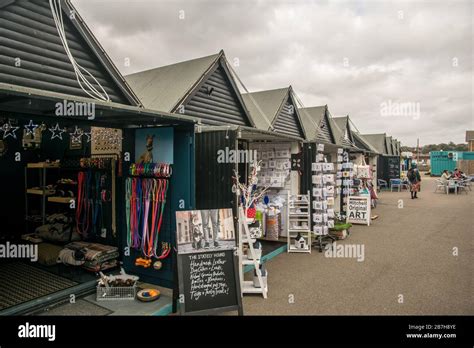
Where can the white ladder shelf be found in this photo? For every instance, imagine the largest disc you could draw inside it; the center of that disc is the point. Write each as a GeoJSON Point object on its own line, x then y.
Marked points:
{"type": "Point", "coordinates": [247, 287]}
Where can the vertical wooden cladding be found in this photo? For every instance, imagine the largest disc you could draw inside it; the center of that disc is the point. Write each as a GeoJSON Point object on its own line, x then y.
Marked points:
{"type": "Point", "coordinates": [217, 102]}
{"type": "Point", "coordinates": [287, 120]}
{"type": "Point", "coordinates": [324, 132]}
{"type": "Point", "coordinates": [214, 179]}
{"type": "Point", "coordinates": [32, 55]}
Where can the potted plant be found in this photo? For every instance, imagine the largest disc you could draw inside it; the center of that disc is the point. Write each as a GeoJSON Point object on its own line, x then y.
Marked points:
{"type": "Point", "coordinates": [341, 227]}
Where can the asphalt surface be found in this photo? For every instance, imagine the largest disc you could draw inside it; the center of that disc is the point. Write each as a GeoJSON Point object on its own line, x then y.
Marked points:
{"type": "Point", "coordinates": [409, 267]}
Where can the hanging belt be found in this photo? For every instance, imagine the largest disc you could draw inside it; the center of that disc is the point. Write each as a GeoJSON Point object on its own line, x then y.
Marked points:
{"type": "Point", "coordinates": [83, 203]}
{"type": "Point", "coordinates": [128, 198]}
{"type": "Point", "coordinates": [147, 186]}
{"type": "Point", "coordinates": [152, 241]}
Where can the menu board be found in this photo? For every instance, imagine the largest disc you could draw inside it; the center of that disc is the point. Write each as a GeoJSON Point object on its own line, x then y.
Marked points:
{"type": "Point", "coordinates": [208, 282]}
{"type": "Point", "coordinates": [393, 167]}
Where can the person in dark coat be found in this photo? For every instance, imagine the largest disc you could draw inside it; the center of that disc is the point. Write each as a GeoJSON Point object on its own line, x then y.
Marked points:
{"type": "Point", "coordinates": [414, 178]}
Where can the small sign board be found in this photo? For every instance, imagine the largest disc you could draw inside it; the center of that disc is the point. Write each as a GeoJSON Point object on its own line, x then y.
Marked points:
{"type": "Point", "coordinates": [207, 263]}
{"type": "Point", "coordinates": [358, 210]}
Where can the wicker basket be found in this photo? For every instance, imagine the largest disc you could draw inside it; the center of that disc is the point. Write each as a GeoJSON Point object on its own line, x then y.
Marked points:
{"type": "Point", "coordinates": [116, 293]}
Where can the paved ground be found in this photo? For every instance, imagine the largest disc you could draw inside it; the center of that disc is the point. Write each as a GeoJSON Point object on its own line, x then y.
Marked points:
{"type": "Point", "coordinates": [408, 252]}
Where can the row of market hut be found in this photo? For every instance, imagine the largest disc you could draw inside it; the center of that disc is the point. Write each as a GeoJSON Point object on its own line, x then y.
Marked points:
{"type": "Point", "coordinates": [194, 109]}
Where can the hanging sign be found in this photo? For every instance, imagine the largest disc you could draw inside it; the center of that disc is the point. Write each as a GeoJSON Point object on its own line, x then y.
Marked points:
{"type": "Point", "coordinates": [207, 264]}
{"type": "Point", "coordinates": [358, 210]}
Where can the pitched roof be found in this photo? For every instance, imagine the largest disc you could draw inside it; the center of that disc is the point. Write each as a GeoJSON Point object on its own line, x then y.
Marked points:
{"type": "Point", "coordinates": [30, 33]}
{"type": "Point", "coordinates": [362, 142]}
{"type": "Point", "coordinates": [377, 141]}
{"type": "Point", "coordinates": [267, 109]}
{"type": "Point", "coordinates": [264, 105]}
{"type": "Point", "coordinates": [314, 120]}
{"type": "Point", "coordinates": [344, 129]}
{"type": "Point", "coordinates": [163, 88]}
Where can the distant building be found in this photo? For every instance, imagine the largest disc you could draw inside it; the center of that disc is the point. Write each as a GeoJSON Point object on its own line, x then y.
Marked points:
{"type": "Point", "coordinates": [470, 140]}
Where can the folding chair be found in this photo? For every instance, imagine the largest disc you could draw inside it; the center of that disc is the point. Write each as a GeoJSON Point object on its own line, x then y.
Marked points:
{"type": "Point", "coordinates": [382, 183]}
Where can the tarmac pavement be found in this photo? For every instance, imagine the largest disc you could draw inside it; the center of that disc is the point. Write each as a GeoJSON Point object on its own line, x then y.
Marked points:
{"type": "Point", "coordinates": [410, 266]}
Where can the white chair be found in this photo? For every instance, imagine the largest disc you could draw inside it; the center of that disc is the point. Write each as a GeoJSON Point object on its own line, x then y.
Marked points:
{"type": "Point", "coordinates": [440, 184]}
{"type": "Point", "coordinates": [467, 183]}
{"type": "Point", "coordinates": [395, 183]}
{"type": "Point", "coordinates": [382, 183]}
{"type": "Point", "coordinates": [462, 186]}
{"type": "Point", "coordinates": [452, 185]}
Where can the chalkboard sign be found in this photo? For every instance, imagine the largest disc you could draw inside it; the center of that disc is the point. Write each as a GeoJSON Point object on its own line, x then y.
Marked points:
{"type": "Point", "coordinates": [393, 168]}
{"type": "Point", "coordinates": [208, 282]}
{"type": "Point", "coordinates": [207, 267]}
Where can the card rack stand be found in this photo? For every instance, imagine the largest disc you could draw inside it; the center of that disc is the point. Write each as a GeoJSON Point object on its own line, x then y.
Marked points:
{"type": "Point", "coordinates": [347, 177]}
{"type": "Point", "coordinates": [299, 223]}
{"type": "Point", "coordinates": [323, 188]}
{"type": "Point", "coordinates": [246, 286]}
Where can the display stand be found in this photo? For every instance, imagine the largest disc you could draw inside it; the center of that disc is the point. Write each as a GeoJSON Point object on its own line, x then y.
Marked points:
{"type": "Point", "coordinates": [323, 194]}
{"type": "Point", "coordinates": [299, 223]}
{"type": "Point", "coordinates": [41, 191]}
{"type": "Point", "coordinates": [247, 287]}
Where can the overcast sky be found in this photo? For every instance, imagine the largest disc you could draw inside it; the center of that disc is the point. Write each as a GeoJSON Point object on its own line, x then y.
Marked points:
{"type": "Point", "coordinates": [362, 58]}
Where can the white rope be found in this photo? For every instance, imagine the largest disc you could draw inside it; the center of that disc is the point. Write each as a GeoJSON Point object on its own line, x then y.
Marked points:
{"type": "Point", "coordinates": [234, 74]}
{"type": "Point", "coordinates": [85, 85]}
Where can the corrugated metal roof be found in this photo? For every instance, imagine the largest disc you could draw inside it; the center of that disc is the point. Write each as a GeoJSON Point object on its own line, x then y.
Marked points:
{"type": "Point", "coordinates": [163, 88]}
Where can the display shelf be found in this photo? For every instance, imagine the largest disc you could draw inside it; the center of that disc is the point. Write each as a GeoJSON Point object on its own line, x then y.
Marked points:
{"type": "Point", "coordinates": [249, 288]}
{"type": "Point", "coordinates": [40, 165]}
{"type": "Point", "coordinates": [295, 219]}
{"type": "Point", "coordinates": [246, 261]}
{"type": "Point", "coordinates": [62, 200]}
{"type": "Point", "coordinates": [40, 192]}
{"type": "Point", "coordinates": [294, 249]}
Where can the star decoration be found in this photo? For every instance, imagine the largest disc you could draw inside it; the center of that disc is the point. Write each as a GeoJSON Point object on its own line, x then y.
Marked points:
{"type": "Point", "coordinates": [88, 135]}
{"type": "Point", "coordinates": [56, 132]}
{"type": "Point", "coordinates": [30, 128]}
{"type": "Point", "coordinates": [9, 130]}
{"type": "Point", "coordinates": [76, 136]}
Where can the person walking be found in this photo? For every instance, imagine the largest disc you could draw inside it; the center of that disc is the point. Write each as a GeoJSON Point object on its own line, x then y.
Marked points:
{"type": "Point", "coordinates": [213, 214]}
{"type": "Point", "coordinates": [414, 178]}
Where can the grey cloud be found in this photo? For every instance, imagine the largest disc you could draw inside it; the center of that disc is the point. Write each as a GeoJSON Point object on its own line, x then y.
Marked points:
{"type": "Point", "coordinates": [304, 43]}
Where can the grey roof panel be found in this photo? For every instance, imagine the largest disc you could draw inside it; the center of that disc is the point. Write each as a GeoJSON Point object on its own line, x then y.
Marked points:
{"type": "Point", "coordinates": [264, 106]}
{"type": "Point", "coordinates": [164, 87]}
{"type": "Point", "coordinates": [377, 141]}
